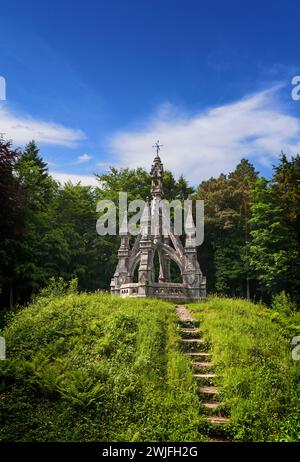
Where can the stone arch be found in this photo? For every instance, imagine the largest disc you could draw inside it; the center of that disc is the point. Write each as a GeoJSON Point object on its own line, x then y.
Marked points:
{"type": "Point", "coordinates": [133, 262]}
{"type": "Point", "coordinates": [173, 255]}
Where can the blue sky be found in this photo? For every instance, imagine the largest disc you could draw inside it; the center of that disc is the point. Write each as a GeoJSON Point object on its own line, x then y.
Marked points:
{"type": "Point", "coordinates": [97, 82]}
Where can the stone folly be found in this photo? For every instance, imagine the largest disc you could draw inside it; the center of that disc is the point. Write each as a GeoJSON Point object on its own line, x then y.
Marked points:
{"type": "Point", "coordinates": [136, 262]}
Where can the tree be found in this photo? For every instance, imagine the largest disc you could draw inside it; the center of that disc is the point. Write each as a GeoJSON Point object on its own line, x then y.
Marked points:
{"type": "Point", "coordinates": [252, 226]}
{"type": "Point", "coordinates": [227, 201]}
{"type": "Point", "coordinates": [31, 154]}
{"type": "Point", "coordinates": [11, 219]}
{"type": "Point", "coordinates": [90, 257]}
{"type": "Point", "coordinates": [137, 183]}
{"type": "Point", "coordinates": [273, 250]}
{"type": "Point", "coordinates": [286, 186]}
{"type": "Point", "coordinates": [34, 256]}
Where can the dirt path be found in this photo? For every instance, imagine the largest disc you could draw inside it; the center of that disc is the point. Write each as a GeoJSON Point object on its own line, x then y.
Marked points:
{"type": "Point", "coordinates": [183, 313]}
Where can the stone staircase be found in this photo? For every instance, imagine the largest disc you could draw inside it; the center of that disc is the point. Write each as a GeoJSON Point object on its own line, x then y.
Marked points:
{"type": "Point", "coordinates": [198, 351]}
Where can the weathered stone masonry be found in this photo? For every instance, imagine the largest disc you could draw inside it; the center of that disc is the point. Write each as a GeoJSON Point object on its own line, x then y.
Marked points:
{"type": "Point", "coordinates": [141, 255]}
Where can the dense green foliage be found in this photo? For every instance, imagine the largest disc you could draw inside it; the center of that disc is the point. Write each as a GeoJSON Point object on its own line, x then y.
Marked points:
{"type": "Point", "coordinates": [49, 230]}
{"type": "Point", "coordinates": [252, 233]}
{"type": "Point", "coordinates": [227, 202]}
{"type": "Point", "coordinates": [273, 250]}
{"type": "Point", "coordinates": [92, 367]}
{"type": "Point", "coordinates": [252, 227]}
{"type": "Point", "coordinates": [251, 351]}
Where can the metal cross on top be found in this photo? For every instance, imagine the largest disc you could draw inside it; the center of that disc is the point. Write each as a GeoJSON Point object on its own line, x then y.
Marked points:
{"type": "Point", "coordinates": [157, 146]}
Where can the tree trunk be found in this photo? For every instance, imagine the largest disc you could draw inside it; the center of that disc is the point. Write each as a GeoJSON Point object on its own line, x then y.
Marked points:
{"type": "Point", "coordinates": [248, 288]}
{"type": "Point", "coordinates": [11, 296]}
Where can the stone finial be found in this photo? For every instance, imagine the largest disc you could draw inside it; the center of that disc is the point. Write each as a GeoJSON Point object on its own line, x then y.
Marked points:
{"type": "Point", "coordinates": [157, 172]}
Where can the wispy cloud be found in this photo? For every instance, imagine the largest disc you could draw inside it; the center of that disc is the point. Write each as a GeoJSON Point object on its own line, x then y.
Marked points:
{"type": "Point", "coordinates": [205, 144]}
{"type": "Point", "coordinates": [22, 129]}
{"type": "Point", "coordinates": [84, 158]}
{"type": "Point", "coordinates": [105, 165]}
{"type": "Point", "coordinates": [85, 180]}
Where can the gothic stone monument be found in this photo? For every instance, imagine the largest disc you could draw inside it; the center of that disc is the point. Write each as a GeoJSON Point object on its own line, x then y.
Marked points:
{"type": "Point", "coordinates": [170, 247]}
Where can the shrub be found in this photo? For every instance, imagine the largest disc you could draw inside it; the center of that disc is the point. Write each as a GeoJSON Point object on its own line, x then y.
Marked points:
{"type": "Point", "coordinates": [91, 367]}
{"type": "Point", "coordinates": [283, 303]}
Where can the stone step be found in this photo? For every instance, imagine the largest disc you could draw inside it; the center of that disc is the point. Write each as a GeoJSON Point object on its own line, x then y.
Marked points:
{"type": "Point", "coordinates": [201, 364]}
{"type": "Point", "coordinates": [205, 376]}
{"type": "Point", "coordinates": [217, 420]}
{"type": "Point", "coordinates": [189, 330]}
{"type": "Point", "coordinates": [193, 340]}
{"type": "Point", "coordinates": [211, 404]}
{"type": "Point", "coordinates": [209, 390]}
{"type": "Point", "coordinates": [188, 324]}
{"type": "Point", "coordinates": [201, 354]}
{"type": "Point", "coordinates": [189, 333]}
{"type": "Point", "coordinates": [184, 314]}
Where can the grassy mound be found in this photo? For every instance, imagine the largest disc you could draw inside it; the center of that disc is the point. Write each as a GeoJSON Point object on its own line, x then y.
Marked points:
{"type": "Point", "coordinates": [251, 350]}
{"type": "Point", "coordinates": [92, 367]}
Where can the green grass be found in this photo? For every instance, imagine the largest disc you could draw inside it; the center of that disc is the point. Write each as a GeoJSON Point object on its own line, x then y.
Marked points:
{"type": "Point", "coordinates": [92, 367]}
{"type": "Point", "coordinates": [251, 350]}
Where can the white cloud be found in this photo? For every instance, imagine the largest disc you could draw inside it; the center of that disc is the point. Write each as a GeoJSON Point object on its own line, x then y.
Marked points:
{"type": "Point", "coordinates": [83, 158]}
{"type": "Point", "coordinates": [213, 141]}
{"type": "Point", "coordinates": [21, 129]}
{"type": "Point", "coordinates": [105, 165]}
{"type": "Point", "coordinates": [86, 180]}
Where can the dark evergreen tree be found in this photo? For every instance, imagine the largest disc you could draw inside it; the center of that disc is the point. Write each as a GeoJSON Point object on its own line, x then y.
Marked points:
{"type": "Point", "coordinates": [31, 154]}
{"type": "Point", "coordinates": [12, 221]}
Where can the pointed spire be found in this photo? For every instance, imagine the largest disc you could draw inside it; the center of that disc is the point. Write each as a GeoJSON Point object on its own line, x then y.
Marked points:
{"type": "Point", "coordinates": [157, 171]}
{"type": "Point", "coordinates": [189, 226]}
{"type": "Point", "coordinates": [156, 218]}
{"type": "Point", "coordinates": [146, 220]}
